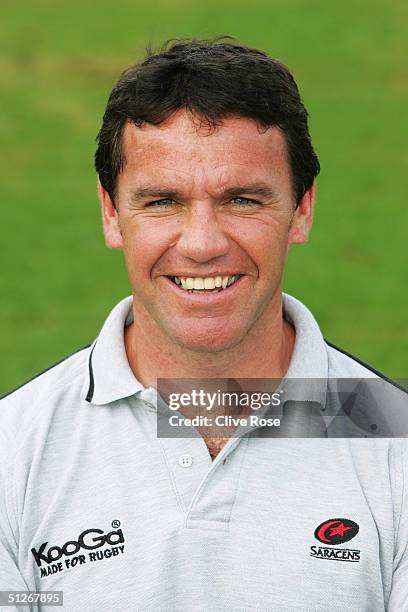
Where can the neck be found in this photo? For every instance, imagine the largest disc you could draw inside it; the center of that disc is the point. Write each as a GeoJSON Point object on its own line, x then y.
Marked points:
{"type": "Point", "coordinates": [264, 352]}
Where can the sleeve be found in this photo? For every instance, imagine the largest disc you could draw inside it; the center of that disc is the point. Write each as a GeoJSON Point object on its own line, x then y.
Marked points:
{"type": "Point", "coordinates": [399, 590]}
{"type": "Point", "coordinates": [10, 575]}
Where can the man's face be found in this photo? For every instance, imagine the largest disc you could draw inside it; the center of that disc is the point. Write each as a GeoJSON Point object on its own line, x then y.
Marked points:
{"type": "Point", "coordinates": [198, 205]}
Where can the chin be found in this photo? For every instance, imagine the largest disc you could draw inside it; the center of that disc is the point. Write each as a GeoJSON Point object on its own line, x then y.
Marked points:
{"type": "Point", "coordinates": [207, 338]}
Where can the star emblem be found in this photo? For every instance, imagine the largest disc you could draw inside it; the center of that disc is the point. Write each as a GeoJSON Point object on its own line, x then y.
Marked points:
{"type": "Point", "coordinates": [339, 530]}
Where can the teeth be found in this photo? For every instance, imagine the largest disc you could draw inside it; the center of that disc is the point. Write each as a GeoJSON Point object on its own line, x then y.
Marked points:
{"type": "Point", "coordinates": [232, 279]}
{"type": "Point", "coordinates": [198, 283]}
{"type": "Point", "coordinates": [207, 282]}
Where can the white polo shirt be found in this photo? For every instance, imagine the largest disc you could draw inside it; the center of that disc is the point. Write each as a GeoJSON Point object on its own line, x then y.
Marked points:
{"type": "Point", "coordinates": [93, 503]}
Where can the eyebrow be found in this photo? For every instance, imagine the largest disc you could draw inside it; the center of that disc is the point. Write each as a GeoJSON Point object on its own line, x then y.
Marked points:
{"type": "Point", "coordinates": [154, 192]}
{"type": "Point", "coordinates": [259, 189]}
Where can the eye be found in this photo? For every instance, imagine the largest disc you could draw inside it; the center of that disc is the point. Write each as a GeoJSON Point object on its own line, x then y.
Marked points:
{"type": "Point", "coordinates": [163, 203]}
{"type": "Point", "coordinates": [242, 202]}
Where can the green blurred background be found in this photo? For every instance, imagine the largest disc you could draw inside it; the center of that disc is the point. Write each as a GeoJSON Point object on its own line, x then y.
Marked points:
{"type": "Point", "coordinates": [59, 61]}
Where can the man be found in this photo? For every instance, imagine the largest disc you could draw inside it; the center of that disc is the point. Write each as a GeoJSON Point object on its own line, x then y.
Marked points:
{"type": "Point", "coordinates": [207, 176]}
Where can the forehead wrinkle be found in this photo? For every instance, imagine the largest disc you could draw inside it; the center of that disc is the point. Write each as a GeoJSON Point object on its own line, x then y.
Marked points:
{"type": "Point", "coordinates": [220, 181]}
{"type": "Point", "coordinates": [154, 141]}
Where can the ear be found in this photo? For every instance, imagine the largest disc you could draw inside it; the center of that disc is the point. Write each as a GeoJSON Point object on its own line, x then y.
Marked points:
{"type": "Point", "coordinates": [303, 217]}
{"type": "Point", "coordinates": [110, 220]}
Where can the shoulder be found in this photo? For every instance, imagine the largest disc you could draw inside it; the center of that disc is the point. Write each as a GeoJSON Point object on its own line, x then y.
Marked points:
{"type": "Point", "coordinates": [23, 407]}
{"type": "Point", "coordinates": [374, 404]}
{"type": "Point", "coordinates": [343, 364]}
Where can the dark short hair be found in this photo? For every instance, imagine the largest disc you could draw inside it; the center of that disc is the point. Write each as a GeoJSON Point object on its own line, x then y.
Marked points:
{"type": "Point", "coordinates": [211, 79]}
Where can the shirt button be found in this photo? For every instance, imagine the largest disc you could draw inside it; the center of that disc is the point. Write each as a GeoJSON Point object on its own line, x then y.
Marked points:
{"type": "Point", "coordinates": [185, 460]}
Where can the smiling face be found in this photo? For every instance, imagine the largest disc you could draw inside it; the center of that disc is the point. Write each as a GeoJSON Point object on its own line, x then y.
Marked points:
{"type": "Point", "coordinates": [197, 211]}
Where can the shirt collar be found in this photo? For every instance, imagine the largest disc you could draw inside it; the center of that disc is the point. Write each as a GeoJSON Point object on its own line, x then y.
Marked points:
{"type": "Point", "coordinates": [309, 364]}
{"type": "Point", "coordinates": [309, 357]}
{"type": "Point", "coordinates": [109, 376]}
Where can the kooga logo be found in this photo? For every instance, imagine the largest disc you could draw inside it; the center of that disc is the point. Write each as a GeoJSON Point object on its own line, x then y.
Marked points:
{"type": "Point", "coordinates": [88, 539]}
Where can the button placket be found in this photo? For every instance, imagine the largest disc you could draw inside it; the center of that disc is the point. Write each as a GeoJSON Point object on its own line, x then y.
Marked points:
{"type": "Point", "coordinates": [212, 503]}
{"type": "Point", "coordinates": [188, 462]}
{"type": "Point", "coordinates": [205, 489]}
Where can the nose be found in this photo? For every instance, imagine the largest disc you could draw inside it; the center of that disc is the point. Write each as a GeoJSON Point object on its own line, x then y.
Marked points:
{"type": "Point", "coordinates": [202, 238]}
